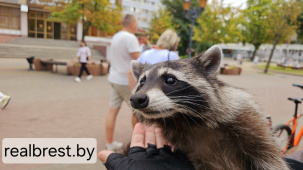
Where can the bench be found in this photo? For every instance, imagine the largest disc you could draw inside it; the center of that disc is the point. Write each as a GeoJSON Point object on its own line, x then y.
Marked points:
{"type": "Point", "coordinates": [47, 64]}
{"type": "Point", "coordinates": [51, 63]}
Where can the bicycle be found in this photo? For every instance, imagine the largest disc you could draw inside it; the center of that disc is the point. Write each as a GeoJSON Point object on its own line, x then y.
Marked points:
{"type": "Point", "coordinates": [287, 132]}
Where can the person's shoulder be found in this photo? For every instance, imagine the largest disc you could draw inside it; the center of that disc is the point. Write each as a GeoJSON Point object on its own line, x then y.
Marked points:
{"type": "Point", "coordinates": [148, 52]}
{"type": "Point", "coordinates": [174, 55]}
{"type": "Point", "coordinates": [145, 56]}
{"type": "Point", "coordinates": [131, 35]}
{"type": "Point", "coordinates": [124, 35]}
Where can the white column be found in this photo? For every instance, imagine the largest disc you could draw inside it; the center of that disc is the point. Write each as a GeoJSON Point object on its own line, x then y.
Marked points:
{"type": "Point", "coordinates": [24, 24]}
{"type": "Point", "coordinates": [79, 31]}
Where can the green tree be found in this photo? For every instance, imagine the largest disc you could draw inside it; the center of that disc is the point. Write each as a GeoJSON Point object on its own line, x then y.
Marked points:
{"type": "Point", "coordinates": [175, 7]}
{"type": "Point", "coordinates": [282, 19]}
{"type": "Point", "coordinates": [300, 28]}
{"type": "Point", "coordinates": [100, 13]}
{"type": "Point", "coordinates": [159, 23]}
{"type": "Point", "coordinates": [255, 25]}
{"type": "Point", "coordinates": [218, 24]}
{"type": "Point", "coordinates": [300, 22]}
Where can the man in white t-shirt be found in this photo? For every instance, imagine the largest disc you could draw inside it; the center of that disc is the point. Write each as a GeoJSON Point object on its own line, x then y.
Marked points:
{"type": "Point", "coordinates": [124, 48]}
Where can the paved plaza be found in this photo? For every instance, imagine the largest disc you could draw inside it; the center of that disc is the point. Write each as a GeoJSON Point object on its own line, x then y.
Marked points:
{"type": "Point", "coordinates": [52, 105]}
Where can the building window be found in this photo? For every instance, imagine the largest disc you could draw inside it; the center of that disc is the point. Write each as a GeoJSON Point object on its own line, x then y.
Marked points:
{"type": "Point", "coordinates": [39, 26]}
{"type": "Point", "coordinates": [9, 18]}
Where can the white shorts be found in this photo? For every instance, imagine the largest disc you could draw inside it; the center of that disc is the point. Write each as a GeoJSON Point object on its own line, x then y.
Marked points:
{"type": "Point", "coordinates": [119, 93]}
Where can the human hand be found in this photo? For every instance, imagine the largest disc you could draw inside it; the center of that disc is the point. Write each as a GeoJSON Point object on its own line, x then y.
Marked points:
{"type": "Point", "coordinates": [145, 40]}
{"type": "Point", "coordinates": [149, 150]}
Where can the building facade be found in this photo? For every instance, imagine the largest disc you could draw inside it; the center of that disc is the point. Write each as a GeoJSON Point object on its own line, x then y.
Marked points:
{"type": "Point", "coordinates": [142, 9]}
{"type": "Point", "coordinates": [20, 18]}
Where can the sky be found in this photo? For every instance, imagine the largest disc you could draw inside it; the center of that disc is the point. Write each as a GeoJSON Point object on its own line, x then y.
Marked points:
{"type": "Point", "coordinates": [235, 3]}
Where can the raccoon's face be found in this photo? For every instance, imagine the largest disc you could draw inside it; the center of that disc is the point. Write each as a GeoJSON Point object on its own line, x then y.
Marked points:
{"type": "Point", "coordinates": [175, 87]}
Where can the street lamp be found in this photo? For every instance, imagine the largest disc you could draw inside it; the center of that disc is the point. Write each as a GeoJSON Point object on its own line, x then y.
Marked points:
{"type": "Point", "coordinates": [192, 14]}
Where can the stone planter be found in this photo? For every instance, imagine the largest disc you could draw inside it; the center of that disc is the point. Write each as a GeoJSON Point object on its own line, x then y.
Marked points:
{"type": "Point", "coordinates": [227, 70]}
{"type": "Point", "coordinates": [94, 69]}
{"type": "Point", "coordinates": [42, 67]}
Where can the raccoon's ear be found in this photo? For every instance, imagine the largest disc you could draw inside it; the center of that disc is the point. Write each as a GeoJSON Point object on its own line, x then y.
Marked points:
{"type": "Point", "coordinates": [137, 69]}
{"type": "Point", "coordinates": [211, 59]}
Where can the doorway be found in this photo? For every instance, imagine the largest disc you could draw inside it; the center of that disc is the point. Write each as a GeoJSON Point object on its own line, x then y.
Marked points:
{"type": "Point", "coordinates": [57, 30]}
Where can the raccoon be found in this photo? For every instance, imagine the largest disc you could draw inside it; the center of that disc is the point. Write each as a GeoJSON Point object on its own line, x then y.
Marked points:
{"type": "Point", "coordinates": [217, 126]}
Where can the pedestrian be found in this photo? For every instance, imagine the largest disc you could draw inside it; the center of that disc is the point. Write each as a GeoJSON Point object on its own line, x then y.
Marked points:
{"type": "Point", "coordinates": [165, 50]}
{"type": "Point", "coordinates": [4, 100]}
{"type": "Point", "coordinates": [83, 56]}
{"type": "Point", "coordinates": [256, 60]}
{"type": "Point", "coordinates": [124, 48]}
{"type": "Point", "coordinates": [239, 58]}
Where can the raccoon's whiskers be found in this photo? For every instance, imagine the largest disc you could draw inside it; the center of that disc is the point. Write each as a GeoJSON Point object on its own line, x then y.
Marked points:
{"type": "Point", "coordinates": [179, 89]}
{"type": "Point", "coordinates": [187, 122]}
{"type": "Point", "coordinates": [196, 104]}
{"type": "Point", "coordinates": [193, 113]}
{"type": "Point", "coordinates": [196, 115]}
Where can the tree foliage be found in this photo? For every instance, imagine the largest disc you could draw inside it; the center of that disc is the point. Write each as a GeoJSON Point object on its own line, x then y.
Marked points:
{"type": "Point", "coordinates": [282, 19]}
{"type": "Point", "coordinates": [218, 24]}
{"type": "Point", "coordinates": [300, 28]}
{"type": "Point", "coordinates": [255, 23]}
{"type": "Point", "coordinates": [175, 8]}
{"type": "Point", "coordinates": [159, 23]}
{"type": "Point", "coordinates": [100, 13]}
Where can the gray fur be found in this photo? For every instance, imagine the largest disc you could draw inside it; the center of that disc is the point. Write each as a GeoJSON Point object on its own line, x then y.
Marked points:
{"type": "Point", "coordinates": [219, 127]}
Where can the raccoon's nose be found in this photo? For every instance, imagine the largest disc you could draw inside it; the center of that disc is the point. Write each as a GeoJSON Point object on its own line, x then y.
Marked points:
{"type": "Point", "coordinates": [139, 101]}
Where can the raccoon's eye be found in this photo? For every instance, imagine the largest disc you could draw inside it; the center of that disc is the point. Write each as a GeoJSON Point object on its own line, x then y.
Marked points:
{"type": "Point", "coordinates": [142, 82]}
{"type": "Point", "coordinates": [170, 80]}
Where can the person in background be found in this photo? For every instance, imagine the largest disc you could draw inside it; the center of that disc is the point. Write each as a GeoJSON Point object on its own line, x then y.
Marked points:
{"type": "Point", "coordinates": [165, 51]}
{"type": "Point", "coordinates": [4, 100]}
{"type": "Point", "coordinates": [256, 60]}
{"type": "Point", "coordinates": [83, 55]}
{"type": "Point", "coordinates": [240, 58]}
{"type": "Point", "coordinates": [145, 43]}
{"type": "Point", "coordinates": [124, 48]}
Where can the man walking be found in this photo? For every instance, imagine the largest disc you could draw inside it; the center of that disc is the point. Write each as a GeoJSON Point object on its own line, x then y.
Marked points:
{"type": "Point", "coordinates": [124, 48]}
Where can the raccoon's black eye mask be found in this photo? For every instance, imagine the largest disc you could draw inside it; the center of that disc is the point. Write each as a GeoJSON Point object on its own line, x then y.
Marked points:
{"type": "Point", "coordinates": [168, 79]}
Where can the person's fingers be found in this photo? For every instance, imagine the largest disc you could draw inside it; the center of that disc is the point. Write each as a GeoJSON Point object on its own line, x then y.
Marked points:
{"type": "Point", "coordinates": [160, 140]}
{"type": "Point", "coordinates": [138, 136]}
{"type": "Point", "coordinates": [103, 155]}
{"type": "Point", "coordinates": [150, 135]}
{"type": "Point", "coordinates": [171, 145]}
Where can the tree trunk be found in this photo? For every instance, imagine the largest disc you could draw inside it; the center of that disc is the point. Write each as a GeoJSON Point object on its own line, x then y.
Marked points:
{"type": "Point", "coordinates": [270, 56]}
{"type": "Point", "coordinates": [253, 55]}
{"type": "Point", "coordinates": [83, 24]}
{"type": "Point", "coordinates": [86, 25]}
{"type": "Point", "coordinates": [83, 30]}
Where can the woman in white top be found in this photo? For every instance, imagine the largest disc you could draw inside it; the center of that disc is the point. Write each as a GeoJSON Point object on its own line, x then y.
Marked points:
{"type": "Point", "coordinates": [165, 49]}
{"type": "Point", "coordinates": [83, 55]}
